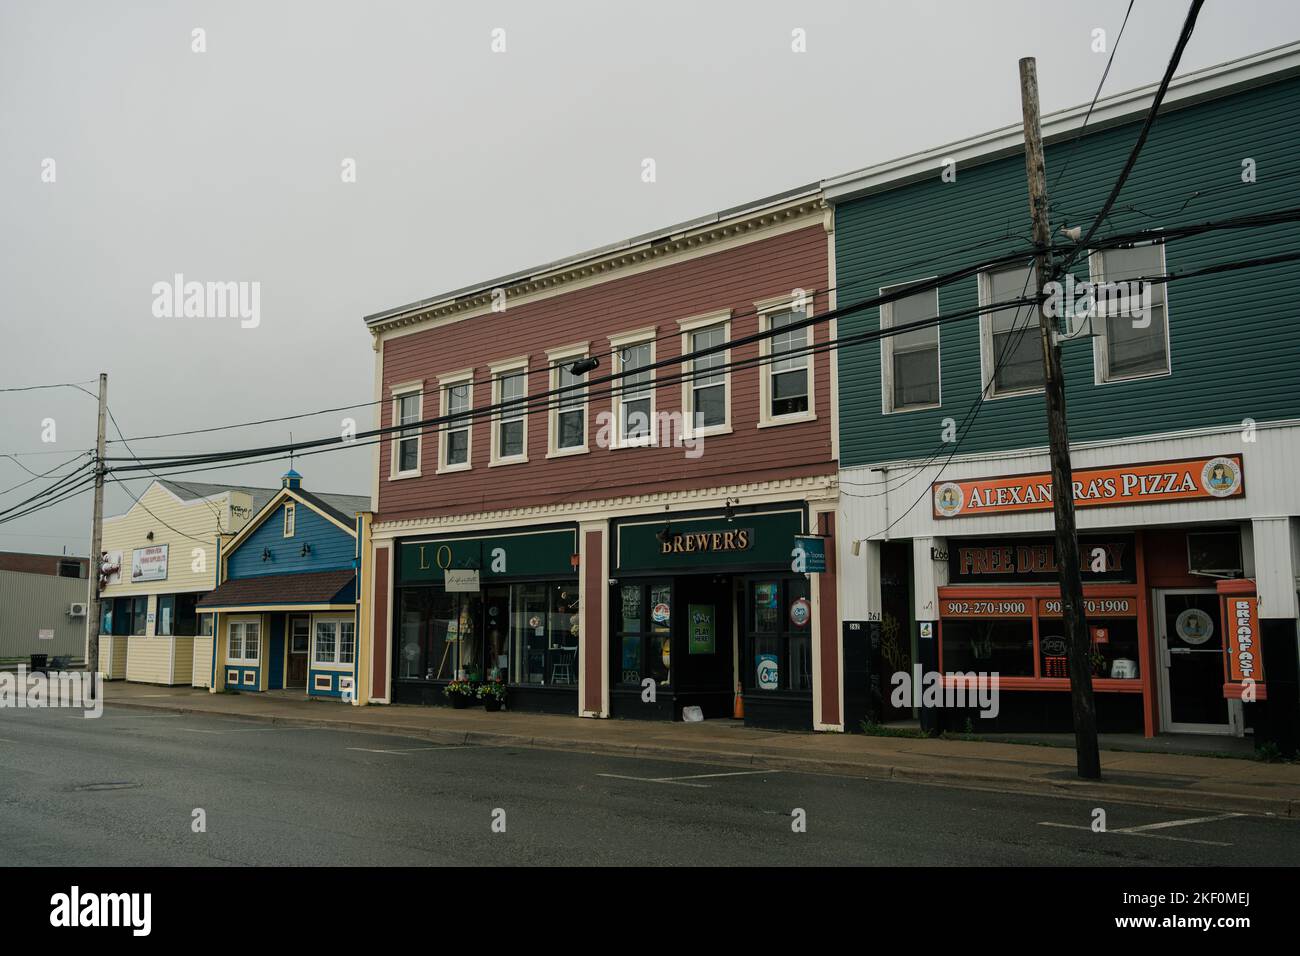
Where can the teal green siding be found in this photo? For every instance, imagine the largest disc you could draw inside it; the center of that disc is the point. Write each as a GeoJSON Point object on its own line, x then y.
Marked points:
{"type": "Point", "coordinates": [1235, 351]}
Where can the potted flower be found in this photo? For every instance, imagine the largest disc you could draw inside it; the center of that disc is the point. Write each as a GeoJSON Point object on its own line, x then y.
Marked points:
{"type": "Point", "coordinates": [460, 692]}
{"type": "Point", "coordinates": [493, 694]}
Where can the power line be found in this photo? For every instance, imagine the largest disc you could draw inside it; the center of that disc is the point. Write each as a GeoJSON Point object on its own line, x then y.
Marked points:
{"type": "Point", "coordinates": [42, 474]}
{"type": "Point", "coordinates": [1185, 35]}
{"type": "Point", "coordinates": [1091, 106]}
{"type": "Point", "coordinates": [964, 426]}
{"type": "Point", "coordinates": [539, 401]}
{"type": "Point", "coordinates": [34, 388]}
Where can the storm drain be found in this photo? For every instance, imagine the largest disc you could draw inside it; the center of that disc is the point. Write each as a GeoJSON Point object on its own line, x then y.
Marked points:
{"type": "Point", "coordinates": [111, 785]}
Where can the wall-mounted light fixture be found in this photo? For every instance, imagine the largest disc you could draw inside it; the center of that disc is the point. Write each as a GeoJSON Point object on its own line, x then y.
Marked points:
{"type": "Point", "coordinates": [149, 536]}
{"type": "Point", "coordinates": [306, 549]}
{"type": "Point", "coordinates": [666, 532]}
{"type": "Point", "coordinates": [266, 554]}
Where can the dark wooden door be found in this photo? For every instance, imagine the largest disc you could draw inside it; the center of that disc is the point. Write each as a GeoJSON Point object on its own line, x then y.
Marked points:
{"type": "Point", "coordinates": [299, 644]}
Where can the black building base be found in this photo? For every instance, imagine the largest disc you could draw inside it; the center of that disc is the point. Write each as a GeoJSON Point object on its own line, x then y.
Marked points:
{"type": "Point", "coordinates": [528, 700]}
{"type": "Point", "coordinates": [1043, 712]}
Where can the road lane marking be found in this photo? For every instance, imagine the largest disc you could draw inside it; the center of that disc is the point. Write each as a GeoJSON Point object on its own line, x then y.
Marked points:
{"type": "Point", "coordinates": [683, 781]}
{"type": "Point", "coordinates": [1178, 823]}
{"type": "Point", "coordinates": [736, 773]}
{"type": "Point", "coordinates": [1149, 836]}
{"type": "Point", "coordinates": [680, 783]}
{"type": "Point", "coordinates": [412, 750]}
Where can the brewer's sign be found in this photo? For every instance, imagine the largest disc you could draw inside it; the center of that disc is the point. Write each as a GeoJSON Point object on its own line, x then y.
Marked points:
{"type": "Point", "coordinates": [1216, 477]}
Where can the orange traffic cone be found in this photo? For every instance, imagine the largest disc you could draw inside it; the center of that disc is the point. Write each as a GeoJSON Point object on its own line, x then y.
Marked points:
{"type": "Point", "coordinates": [738, 709]}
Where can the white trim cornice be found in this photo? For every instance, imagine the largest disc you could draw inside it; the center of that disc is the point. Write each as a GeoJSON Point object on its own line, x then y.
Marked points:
{"type": "Point", "coordinates": [600, 265]}
{"type": "Point", "coordinates": [811, 488]}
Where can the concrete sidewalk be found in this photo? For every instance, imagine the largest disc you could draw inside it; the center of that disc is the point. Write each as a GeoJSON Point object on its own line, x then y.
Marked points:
{"type": "Point", "coordinates": [1197, 782]}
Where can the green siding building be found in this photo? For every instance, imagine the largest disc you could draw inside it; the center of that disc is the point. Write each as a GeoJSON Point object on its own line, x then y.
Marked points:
{"type": "Point", "coordinates": [1189, 405]}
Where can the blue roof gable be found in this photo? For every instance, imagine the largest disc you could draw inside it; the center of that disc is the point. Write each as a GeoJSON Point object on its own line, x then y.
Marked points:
{"type": "Point", "coordinates": [266, 550]}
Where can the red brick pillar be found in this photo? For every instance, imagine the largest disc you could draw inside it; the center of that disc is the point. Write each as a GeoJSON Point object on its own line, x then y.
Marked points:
{"type": "Point", "coordinates": [593, 690]}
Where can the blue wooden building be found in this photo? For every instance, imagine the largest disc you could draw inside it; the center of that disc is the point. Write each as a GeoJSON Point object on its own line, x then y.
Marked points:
{"type": "Point", "coordinates": [285, 605]}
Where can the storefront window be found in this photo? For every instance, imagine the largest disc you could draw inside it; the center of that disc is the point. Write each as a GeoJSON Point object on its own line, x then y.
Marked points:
{"type": "Point", "coordinates": [166, 615]}
{"type": "Point", "coordinates": [525, 633]}
{"type": "Point", "coordinates": [659, 649]}
{"type": "Point", "coordinates": [186, 621]}
{"type": "Point", "coordinates": [1113, 643]}
{"type": "Point", "coordinates": [139, 616]}
{"type": "Point", "coordinates": [645, 636]}
{"type": "Point", "coordinates": [779, 635]}
{"type": "Point", "coordinates": [1000, 632]}
{"type": "Point", "coordinates": [995, 645]}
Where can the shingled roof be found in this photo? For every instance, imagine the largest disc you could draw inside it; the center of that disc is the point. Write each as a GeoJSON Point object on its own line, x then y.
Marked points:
{"type": "Point", "coordinates": [313, 587]}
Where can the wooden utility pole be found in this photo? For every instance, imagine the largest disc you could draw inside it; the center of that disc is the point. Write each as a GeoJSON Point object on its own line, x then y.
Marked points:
{"type": "Point", "coordinates": [1067, 539]}
{"type": "Point", "coordinates": [97, 537]}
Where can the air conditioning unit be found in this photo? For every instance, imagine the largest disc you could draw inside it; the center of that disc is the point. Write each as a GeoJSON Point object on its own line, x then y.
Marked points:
{"type": "Point", "coordinates": [77, 610]}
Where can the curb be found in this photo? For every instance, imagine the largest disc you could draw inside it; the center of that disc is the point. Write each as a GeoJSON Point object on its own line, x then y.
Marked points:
{"type": "Point", "coordinates": [1037, 786]}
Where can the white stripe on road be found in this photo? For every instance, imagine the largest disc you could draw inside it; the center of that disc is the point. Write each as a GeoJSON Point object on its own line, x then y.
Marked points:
{"type": "Point", "coordinates": [412, 750]}
{"type": "Point", "coordinates": [682, 781]}
{"type": "Point", "coordinates": [1179, 823]}
{"type": "Point", "coordinates": [1149, 836]}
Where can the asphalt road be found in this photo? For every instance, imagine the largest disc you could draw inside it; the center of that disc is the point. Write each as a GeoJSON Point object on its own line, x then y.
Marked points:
{"type": "Point", "coordinates": [122, 790]}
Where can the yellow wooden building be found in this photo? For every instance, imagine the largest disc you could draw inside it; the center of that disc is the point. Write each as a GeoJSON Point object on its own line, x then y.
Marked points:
{"type": "Point", "coordinates": [164, 552]}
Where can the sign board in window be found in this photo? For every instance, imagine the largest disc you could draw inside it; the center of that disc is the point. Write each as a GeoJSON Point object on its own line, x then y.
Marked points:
{"type": "Point", "coordinates": [149, 564]}
{"type": "Point", "coordinates": [767, 674]}
{"type": "Point", "coordinates": [459, 580]}
{"type": "Point", "coordinates": [702, 621]}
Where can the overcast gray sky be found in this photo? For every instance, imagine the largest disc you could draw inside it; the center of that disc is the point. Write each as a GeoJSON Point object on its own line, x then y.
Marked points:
{"type": "Point", "coordinates": [225, 165]}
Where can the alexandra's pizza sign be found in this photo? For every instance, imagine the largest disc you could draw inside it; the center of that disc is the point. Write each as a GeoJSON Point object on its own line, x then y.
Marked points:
{"type": "Point", "coordinates": [1150, 483]}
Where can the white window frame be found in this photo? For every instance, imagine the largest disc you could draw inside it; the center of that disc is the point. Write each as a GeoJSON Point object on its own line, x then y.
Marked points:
{"type": "Point", "coordinates": [290, 519]}
{"type": "Point", "coordinates": [243, 622]}
{"type": "Point", "coordinates": [398, 392]}
{"type": "Point", "coordinates": [887, 351]}
{"type": "Point", "coordinates": [689, 327]}
{"type": "Point", "coordinates": [989, 391]}
{"type": "Point", "coordinates": [337, 623]}
{"type": "Point", "coordinates": [1100, 353]}
{"type": "Point", "coordinates": [556, 359]}
{"type": "Point", "coordinates": [504, 369]}
{"type": "Point", "coordinates": [617, 343]}
{"type": "Point", "coordinates": [766, 309]}
{"type": "Point", "coordinates": [445, 383]}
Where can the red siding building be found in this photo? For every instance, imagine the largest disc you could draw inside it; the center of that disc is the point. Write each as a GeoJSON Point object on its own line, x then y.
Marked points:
{"type": "Point", "coordinates": [617, 540]}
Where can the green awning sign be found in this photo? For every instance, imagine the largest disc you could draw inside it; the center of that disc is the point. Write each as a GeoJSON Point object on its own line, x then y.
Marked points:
{"type": "Point", "coordinates": [532, 554]}
{"type": "Point", "coordinates": [808, 555]}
